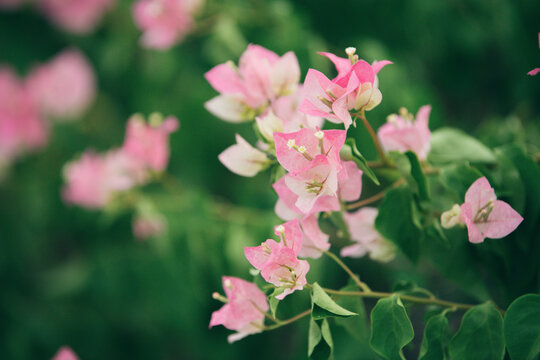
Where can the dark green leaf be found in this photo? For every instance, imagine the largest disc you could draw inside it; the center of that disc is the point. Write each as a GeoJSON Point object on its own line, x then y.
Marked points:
{"type": "Point", "coordinates": [522, 328]}
{"type": "Point", "coordinates": [323, 306]}
{"type": "Point", "coordinates": [349, 151]}
{"type": "Point", "coordinates": [449, 145]}
{"type": "Point", "coordinates": [435, 339]}
{"type": "Point", "coordinates": [391, 328]}
{"type": "Point", "coordinates": [273, 302]}
{"type": "Point", "coordinates": [397, 222]}
{"type": "Point", "coordinates": [355, 325]}
{"type": "Point", "coordinates": [418, 175]}
{"type": "Point", "coordinates": [458, 178]}
{"type": "Point", "coordinates": [480, 336]}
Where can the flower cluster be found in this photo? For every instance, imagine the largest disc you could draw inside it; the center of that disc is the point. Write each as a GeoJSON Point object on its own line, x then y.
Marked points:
{"type": "Point", "coordinates": [94, 180]}
{"type": "Point", "coordinates": [164, 22]}
{"type": "Point", "coordinates": [59, 90]}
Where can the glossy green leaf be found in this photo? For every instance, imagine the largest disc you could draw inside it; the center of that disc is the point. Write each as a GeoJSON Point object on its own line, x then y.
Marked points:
{"type": "Point", "coordinates": [323, 306]}
{"type": "Point", "coordinates": [435, 340]}
{"type": "Point", "coordinates": [522, 328]}
{"type": "Point", "coordinates": [391, 328]}
{"type": "Point", "coordinates": [449, 145]}
{"type": "Point", "coordinates": [397, 221]}
{"type": "Point", "coordinates": [320, 343]}
{"type": "Point", "coordinates": [350, 152]}
{"type": "Point", "coordinates": [480, 336]}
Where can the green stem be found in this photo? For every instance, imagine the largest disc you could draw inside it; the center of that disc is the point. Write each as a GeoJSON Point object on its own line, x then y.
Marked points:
{"type": "Point", "coordinates": [288, 321]}
{"type": "Point", "coordinates": [360, 284]}
{"type": "Point", "coordinates": [374, 137]}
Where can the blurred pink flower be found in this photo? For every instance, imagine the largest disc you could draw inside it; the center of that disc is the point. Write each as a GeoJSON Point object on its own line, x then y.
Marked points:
{"type": "Point", "coordinates": [361, 225]}
{"type": "Point", "coordinates": [164, 22]}
{"type": "Point", "coordinates": [244, 310]}
{"type": "Point", "coordinates": [145, 226]}
{"type": "Point", "coordinates": [485, 216]}
{"type": "Point", "coordinates": [243, 159]}
{"type": "Point", "coordinates": [148, 142]}
{"type": "Point", "coordinates": [64, 87]}
{"type": "Point", "coordinates": [76, 16]}
{"type": "Point", "coordinates": [403, 133]}
{"type": "Point", "coordinates": [260, 78]}
{"type": "Point", "coordinates": [21, 126]}
{"type": "Point", "coordinates": [92, 180]}
{"type": "Point", "coordinates": [65, 353]}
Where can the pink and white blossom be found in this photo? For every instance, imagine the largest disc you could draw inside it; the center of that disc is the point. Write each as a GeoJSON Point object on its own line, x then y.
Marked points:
{"type": "Point", "coordinates": [149, 142]}
{"type": "Point", "coordinates": [244, 310]}
{"type": "Point", "coordinates": [64, 87]}
{"type": "Point", "coordinates": [368, 241]}
{"type": "Point", "coordinates": [278, 262]}
{"type": "Point", "coordinates": [483, 214]}
{"type": "Point", "coordinates": [286, 109]}
{"type": "Point", "coordinates": [355, 88]}
{"type": "Point", "coordinates": [246, 91]}
{"type": "Point", "coordinates": [65, 353]}
{"type": "Point", "coordinates": [404, 133]}
{"type": "Point", "coordinates": [76, 16]}
{"type": "Point", "coordinates": [243, 159]}
{"type": "Point", "coordinates": [164, 22]}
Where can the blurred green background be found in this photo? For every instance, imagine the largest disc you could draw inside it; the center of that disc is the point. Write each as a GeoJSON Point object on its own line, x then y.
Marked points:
{"type": "Point", "coordinates": [74, 277]}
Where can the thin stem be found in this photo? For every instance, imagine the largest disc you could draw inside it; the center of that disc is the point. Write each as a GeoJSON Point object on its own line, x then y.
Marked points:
{"type": "Point", "coordinates": [373, 198]}
{"type": "Point", "coordinates": [288, 321]}
{"type": "Point", "coordinates": [360, 284]}
{"type": "Point", "coordinates": [374, 137]}
{"type": "Point", "coordinates": [415, 299]}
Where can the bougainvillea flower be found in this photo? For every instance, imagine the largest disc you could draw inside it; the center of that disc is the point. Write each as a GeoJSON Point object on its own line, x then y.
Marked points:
{"type": "Point", "coordinates": [278, 262]}
{"type": "Point", "coordinates": [146, 226]}
{"type": "Point", "coordinates": [403, 133]}
{"type": "Point", "coordinates": [349, 181]}
{"type": "Point", "coordinates": [268, 124]}
{"type": "Point", "coordinates": [243, 159]}
{"type": "Point", "coordinates": [246, 91]}
{"type": "Point", "coordinates": [244, 310]}
{"type": "Point", "coordinates": [92, 180]}
{"type": "Point", "coordinates": [296, 150]}
{"type": "Point", "coordinates": [361, 225]}
{"type": "Point", "coordinates": [286, 109]}
{"type": "Point", "coordinates": [149, 142]}
{"type": "Point", "coordinates": [537, 70]}
{"type": "Point", "coordinates": [21, 126]}
{"type": "Point", "coordinates": [164, 22]}
{"type": "Point", "coordinates": [314, 242]}
{"type": "Point", "coordinates": [64, 87]}
{"type": "Point", "coordinates": [318, 179]}
{"type": "Point", "coordinates": [65, 353]}
{"type": "Point", "coordinates": [354, 88]}
{"type": "Point", "coordinates": [485, 216]}
{"type": "Point", "coordinates": [76, 16]}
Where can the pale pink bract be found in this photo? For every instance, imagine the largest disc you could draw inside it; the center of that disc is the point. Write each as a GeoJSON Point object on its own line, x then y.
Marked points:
{"type": "Point", "coordinates": [403, 133]}
{"type": "Point", "coordinates": [65, 353]}
{"type": "Point", "coordinates": [485, 216]}
{"type": "Point", "coordinates": [64, 87]}
{"type": "Point", "coordinates": [244, 311]}
{"type": "Point", "coordinates": [243, 159]}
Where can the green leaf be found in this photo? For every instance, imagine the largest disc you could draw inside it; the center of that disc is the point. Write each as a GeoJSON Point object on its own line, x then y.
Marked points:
{"type": "Point", "coordinates": [397, 222]}
{"type": "Point", "coordinates": [409, 166]}
{"type": "Point", "coordinates": [355, 325]}
{"type": "Point", "coordinates": [449, 145]}
{"type": "Point", "coordinates": [458, 179]}
{"type": "Point", "coordinates": [480, 335]}
{"type": "Point", "coordinates": [435, 338]}
{"type": "Point", "coordinates": [522, 328]}
{"type": "Point", "coordinates": [318, 349]}
{"type": "Point", "coordinates": [323, 306]}
{"type": "Point", "coordinates": [273, 302]}
{"type": "Point", "coordinates": [391, 328]}
{"type": "Point", "coordinates": [349, 151]}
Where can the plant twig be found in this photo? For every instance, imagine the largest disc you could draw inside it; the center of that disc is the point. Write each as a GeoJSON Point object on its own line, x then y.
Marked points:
{"type": "Point", "coordinates": [358, 282]}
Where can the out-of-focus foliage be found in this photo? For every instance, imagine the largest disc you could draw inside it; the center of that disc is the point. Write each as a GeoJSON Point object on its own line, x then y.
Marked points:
{"type": "Point", "coordinates": [76, 277]}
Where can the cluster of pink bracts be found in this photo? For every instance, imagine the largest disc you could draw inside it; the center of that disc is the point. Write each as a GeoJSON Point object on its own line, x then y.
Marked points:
{"type": "Point", "coordinates": [264, 87]}
{"type": "Point", "coordinates": [94, 180]}
{"type": "Point", "coordinates": [59, 90]}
